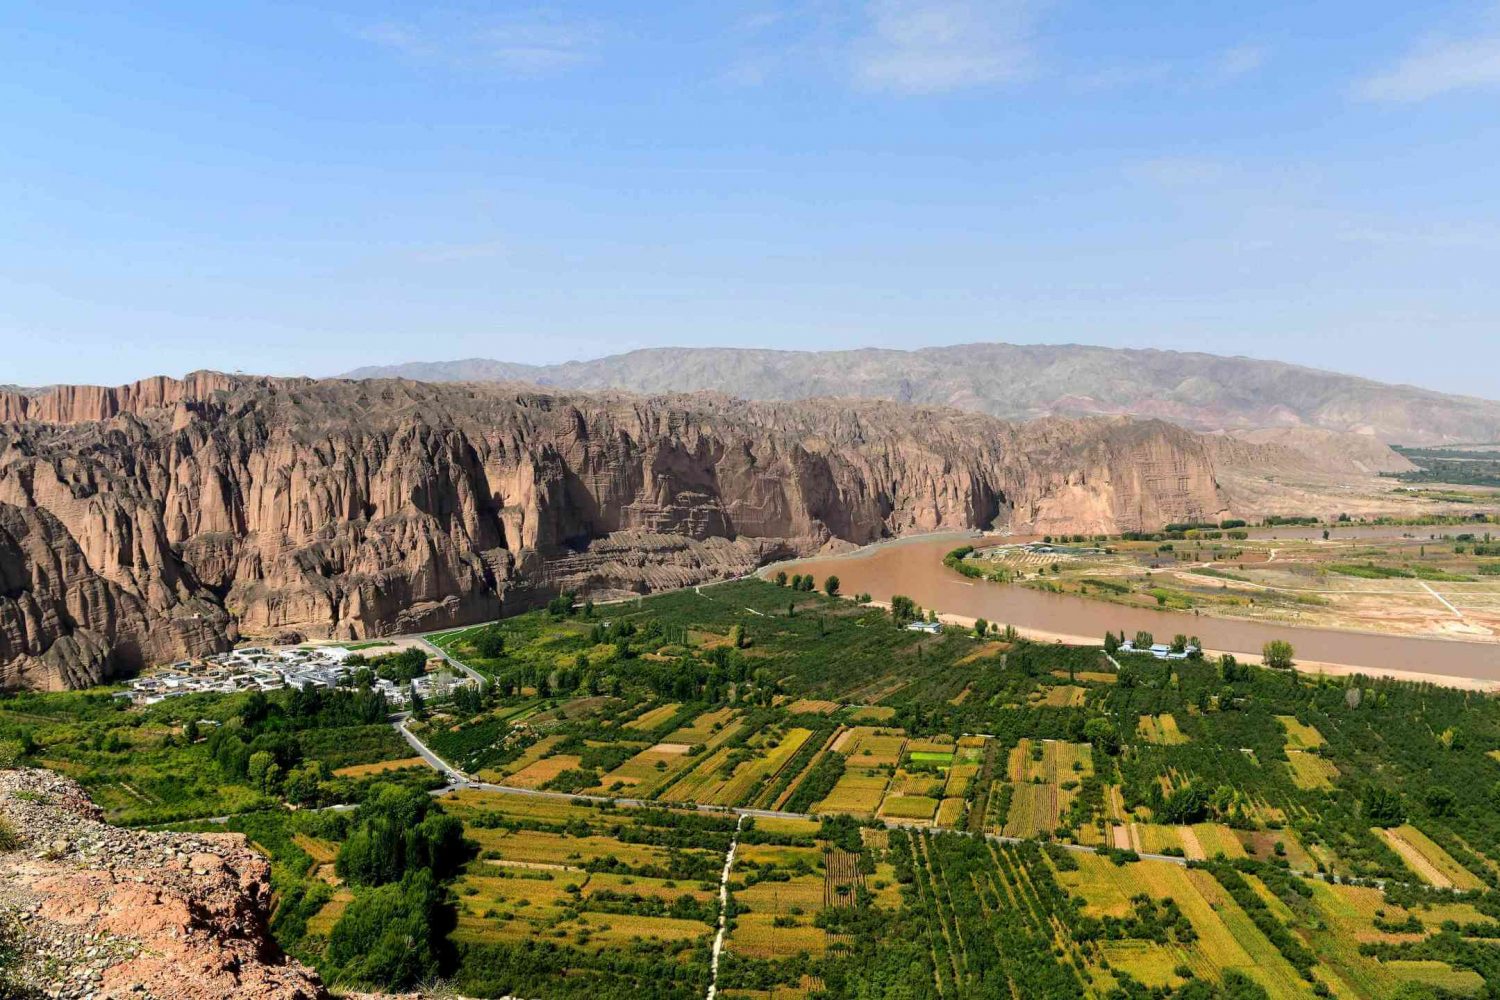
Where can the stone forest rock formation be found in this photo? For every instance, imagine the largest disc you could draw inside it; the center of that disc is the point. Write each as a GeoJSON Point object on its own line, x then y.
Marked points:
{"type": "Point", "coordinates": [165, 518]}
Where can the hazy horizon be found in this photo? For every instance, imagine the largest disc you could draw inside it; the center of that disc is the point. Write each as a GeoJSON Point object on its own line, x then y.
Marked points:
{"type": "Point", "coordinates": [350, 370]}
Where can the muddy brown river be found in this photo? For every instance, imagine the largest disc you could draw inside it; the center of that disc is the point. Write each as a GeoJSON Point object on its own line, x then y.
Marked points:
{"type": "Point", "coordinates": [914, 567]}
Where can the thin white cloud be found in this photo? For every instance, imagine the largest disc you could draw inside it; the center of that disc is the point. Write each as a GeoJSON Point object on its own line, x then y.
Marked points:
{"type": "Point", "coordinates": [1187, 74]}
{"type": "Point", "coordinates": [1438, 67]}
{"type": "Point", "coordinates": [535, 43]}
{"type": "Point", "coordinates": [933, 46]}
{"type": "Point", "coordinates": [400, 37]}
{"type": "Point", "coordinates": [1239, 61]}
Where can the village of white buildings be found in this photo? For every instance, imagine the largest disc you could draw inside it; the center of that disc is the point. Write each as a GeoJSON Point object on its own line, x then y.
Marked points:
{"type": "Point", "coordinates": [264, 668]}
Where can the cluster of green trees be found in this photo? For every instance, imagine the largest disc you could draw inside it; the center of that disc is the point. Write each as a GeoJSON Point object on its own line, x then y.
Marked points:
{"type": "Point", "coordinates": [263, 746]}
{"type": "Point", "coordinates": [399, 830]}
{"type": "Point", "coordinates": [566, 604]}
{"type": "Point", "coordinates": [400, 666]}
{"type": "Point", "coordinates": [400, 850]}
{"type": "Point", "coordinates": [489, 642]}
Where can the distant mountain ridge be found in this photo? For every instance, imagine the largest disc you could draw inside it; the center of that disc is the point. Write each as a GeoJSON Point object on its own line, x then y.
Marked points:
{"type": "Point", "coordinates": [1203, 392]}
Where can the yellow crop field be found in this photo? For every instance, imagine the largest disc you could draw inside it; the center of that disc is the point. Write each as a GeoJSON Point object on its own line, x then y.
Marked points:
{"type": "Point", "coordinates": [785, 825]}
{"type": "Point", "coordinates": [1156, 838]}
{"type": "Point", "coordinates": [950, 812]}
{"type": "Point", "coordinates": [873, 713]}
{"type": "Point", "coordinates": [704, 776]}
{"type": "Point", "coordinates": [468, 801]}
{"type": "Point", "coordinates": [1087, 676]}
{"type": "Point", "coordinates": [904, 783]}
{"type": "Point", "coordinates": [1150, 963]}
{"type": "Point", "coordinates": [538, 847]}
{"type": "Point", "coordinates": [530, 892]}
{"type": "Point", "coordinates": [1227, 939]}
{"type": "Point", "coordinates": [1064, 696]}
{"type": "Point", "coordinates": [1071, 760]}
{"type": "Point", "coordinates": [885, 889]}
{"type": "Point", "coordinates": [802, 891]}
{"type": "Point", "coordinates": [1310, 770]}
{"type": "Point", "coordinates": [1462, 981]}
{"type": "Point", "coordinates": [855, 793]}
{"type": "Point", "coordinates": [1349, 914]}
{"type": "Point", "coordinates": [1427, 860]}
{"type": "Point", "coordinates": [934, 744]}
{"type": "Point", "coordinates": [1050, 760]}
{"type": "Point", "coordinates": [756, 936]}
{"type": "Point", "coordinates": [666, 890]}
{"type": "Point", "coordinates": [1212, 839]}
{"type": "Point", "coordinates": [543, 771]}
{"type": "Point", "coordinates": [656, 717]}
{"type": "Point", "coordinates": [1020, 766]}
{"type": "Point", "coordinates": [1262, 844]}
{"type": "Point", "coordinates": [648, 768]}
{"type": "Point", "coordinates": [1160, 729]}
{"type": "Point", "coordinates": [782, 992]}
{"type": "Point", "coordinates": [613, 930]}
{"type": "Point", "coordinates": [959, 778]}
{"type": "Point", "coordinates": [1033, 809]}
{"type": "Point", "coordinates": [321, 923]}
{"type": "Point", "coordinates": [812, 706]}
{"type": "Point", "coordinates": [868, 747]}
{"type": "Point", "coordinates": [1105, 888]}
{"type": "Point", "coordinates": [532, 754]}
{"type": "Point", "coordinates": [909, 807]}
{"type": "Point", "coordinates": [321, 851]}
{"type": "Point", "coordinates": [1299, 736]}
{"type": "Point", "coordinates": [494, 909]}
{"type": "Point", "coordinates": [783, 855]}
{"type": "Point", "coordinates": [380, 767]}
{"type": "Point", "coordinates": [748, 775]}
{"type": "Point", "coordinates": [708, 727]}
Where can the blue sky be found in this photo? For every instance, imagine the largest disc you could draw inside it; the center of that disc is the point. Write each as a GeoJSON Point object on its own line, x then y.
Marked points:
{"type": "Point", "coordinates": [302, 188]}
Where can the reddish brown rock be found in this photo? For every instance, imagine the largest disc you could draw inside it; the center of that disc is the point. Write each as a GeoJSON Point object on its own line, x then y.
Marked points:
{"type": "Point", "coordinates": [119, 913]}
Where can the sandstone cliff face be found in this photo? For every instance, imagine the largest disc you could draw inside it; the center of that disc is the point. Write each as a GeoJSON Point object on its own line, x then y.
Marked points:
{"type": "Point", "coordinates": [141, 523]}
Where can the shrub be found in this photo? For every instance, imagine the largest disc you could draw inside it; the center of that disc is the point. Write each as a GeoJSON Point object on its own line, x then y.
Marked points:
{"type": "Point", "coordinates": [1277, 654]}
{"type": "Point", "coordinates": [11, 753]}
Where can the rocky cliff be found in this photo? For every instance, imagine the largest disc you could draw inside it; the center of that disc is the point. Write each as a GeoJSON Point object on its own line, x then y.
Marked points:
{"type": "Point", "coordinates": [93, 911]}
{"type": "Point", "coordinates": [141, 523]}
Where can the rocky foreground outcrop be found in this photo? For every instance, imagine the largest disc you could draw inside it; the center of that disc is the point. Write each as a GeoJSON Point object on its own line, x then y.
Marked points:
{"type": "Point", "coordinates": [145, 522]}
{"type": "Point", "coordinates": [95, 911]}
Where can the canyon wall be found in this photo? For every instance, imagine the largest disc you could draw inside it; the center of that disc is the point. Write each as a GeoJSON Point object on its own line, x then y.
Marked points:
{"type": "Point", "coordinates": [165, 518]}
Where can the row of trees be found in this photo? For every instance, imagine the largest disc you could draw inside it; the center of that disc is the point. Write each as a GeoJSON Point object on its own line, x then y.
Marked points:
{"type": "Point", "coordinates": [807, 583]}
